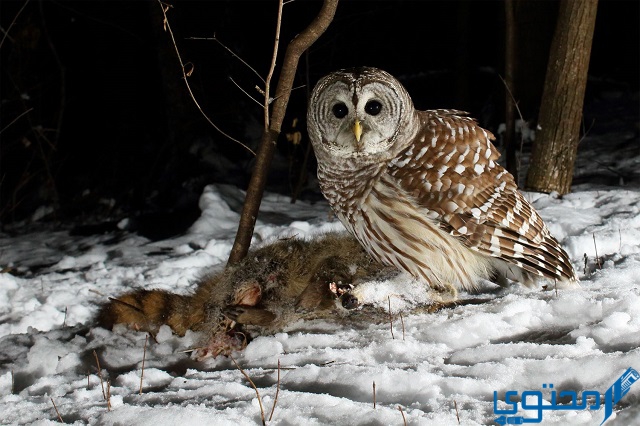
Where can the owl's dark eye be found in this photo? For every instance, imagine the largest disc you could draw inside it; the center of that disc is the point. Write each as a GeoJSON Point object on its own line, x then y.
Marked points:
{"type": "Point", "coordinates": [373, 107]}
{"type": "Point", "coordinates": [340, 110]}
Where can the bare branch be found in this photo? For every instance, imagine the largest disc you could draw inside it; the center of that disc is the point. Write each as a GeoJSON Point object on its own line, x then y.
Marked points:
{"type": "Point", "coordinates": [184, 75]}
{"type": "Point", "coordinates": [216, 39]}
{"type": "Point", "coordinates": [15, 119]}
{"type": "Point", "coordinates": [267, 82]}
{"type": "Point", "coordinates": [245, 92]}
{"type": "Point", "coordinates": [6, 33]}
{"type": "Point", "coordinates": [515, 103]}
{"type": "Point", "coordinates": [268, 143]}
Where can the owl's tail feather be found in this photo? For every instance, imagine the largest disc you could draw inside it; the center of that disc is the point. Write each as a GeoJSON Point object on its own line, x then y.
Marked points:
{"type": "Point", "coordinates": [546, 259]}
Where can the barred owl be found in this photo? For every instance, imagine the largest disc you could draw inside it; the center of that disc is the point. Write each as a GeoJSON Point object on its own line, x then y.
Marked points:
{"type": "Point", "coordinates": [422, 190]}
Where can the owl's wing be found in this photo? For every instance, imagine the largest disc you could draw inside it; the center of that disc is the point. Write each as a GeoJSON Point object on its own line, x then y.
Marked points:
{"type": "Point", "coordinates": [451, 170]}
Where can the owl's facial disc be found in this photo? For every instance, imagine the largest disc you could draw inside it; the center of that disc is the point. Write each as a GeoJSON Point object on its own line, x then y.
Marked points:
{"type": "Point", "coordinates": [357, 118]}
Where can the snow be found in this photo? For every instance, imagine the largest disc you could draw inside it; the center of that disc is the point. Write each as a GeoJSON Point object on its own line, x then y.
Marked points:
{"type": "Point", "coordinates": [435, 367]}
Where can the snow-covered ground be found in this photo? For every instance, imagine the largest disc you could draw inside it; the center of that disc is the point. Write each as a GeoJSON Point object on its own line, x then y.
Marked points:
{"type": "Point", "coordinates": [442, 369]}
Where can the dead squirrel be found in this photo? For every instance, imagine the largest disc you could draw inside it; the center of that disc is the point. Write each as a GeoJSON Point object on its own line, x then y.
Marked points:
{"type": "Point", "coordinates": [274, 286]}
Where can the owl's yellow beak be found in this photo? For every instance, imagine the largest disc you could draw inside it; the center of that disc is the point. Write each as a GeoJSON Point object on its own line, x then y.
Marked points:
{"type": "Point", "coordinates": [357, 130]}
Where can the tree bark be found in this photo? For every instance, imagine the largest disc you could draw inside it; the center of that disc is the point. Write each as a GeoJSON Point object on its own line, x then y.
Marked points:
{"type": "Point", "coordinates": [554, 151]}
{"type": "Point", "coordinates": [509, 72]}
{"type": "Point", "coordinates": [296, 48]}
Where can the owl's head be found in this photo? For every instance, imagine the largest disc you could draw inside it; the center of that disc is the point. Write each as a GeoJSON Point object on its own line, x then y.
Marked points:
{"type": "Point", "coordinates": [359, 113]}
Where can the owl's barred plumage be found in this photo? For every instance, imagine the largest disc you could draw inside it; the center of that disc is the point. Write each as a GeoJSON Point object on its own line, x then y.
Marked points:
{"type": "Point", "coordinates": [422, 190]}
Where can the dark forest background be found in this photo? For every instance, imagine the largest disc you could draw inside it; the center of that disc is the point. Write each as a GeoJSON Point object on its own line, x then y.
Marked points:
{"type": "Point", "coordinates": [97, 124]}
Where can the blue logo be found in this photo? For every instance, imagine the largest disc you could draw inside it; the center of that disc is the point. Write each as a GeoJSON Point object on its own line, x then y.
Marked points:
{"type": "Point", "coordinates": [532, 400]}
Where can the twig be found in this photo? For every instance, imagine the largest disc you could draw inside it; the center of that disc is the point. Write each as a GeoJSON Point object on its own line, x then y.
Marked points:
{"type": "Point", "coordinates": [230, 51]}
{"type": "Point", "coordinates": [64, 321]}
{"type": "Point", "coordinates": [186, 82]}
{"type": "Point", "coordinates": [13, 383]}
{"type": "Point", "coordinates": [267, 146]}
{"type": "Point", "coordinates": [57, 412]}
{"type": "Point", "coordinates": [63, 92]}
{"type": "Point", "coordinates": [144, 355]}
{"type": "Point", "coordinates": [404, 419]}
{"type": "Point", "coordinates": [596, 249]}
{"type": "Point", "coordinates": [6, 33]}
{"type": "Point", "coordinates": [586, 263]}
{"type": "Point", "coordinates": [302, 86]}
{"type": "Point", "coordinates": [585, 132]}
{"type": "Point", "coordinates": [267, 82]}
{"type": "Point", "coordinates": [275, 399]}
{"type": "Point", "coordinates": [254, 388]}
{"type": "Point", "coordinates": [390, 317]}
{"type": "Point", "coordinates": [402, 322]}
{"type": "Point", "coordinates": [515, 103]}
{"type": "Point", "coordinates": [374, 395]}
{"type": "Point", "coordinates": [615, 172]}
{"type": "Point", "coordinates": [104, 395]}
{"type": "Point", "coordinates": [455, 404]}
{"type": "Point", "coordinates": [245, 92]}
{"type": "Point", "coordinates": [16, 119]}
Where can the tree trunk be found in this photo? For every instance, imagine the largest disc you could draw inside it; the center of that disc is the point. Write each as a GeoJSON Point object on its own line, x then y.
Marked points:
{"type": "Point", "coordinates": [267, 147]}
{"type": "Point", "coordinates": [509, 72]}
{"type": "Point", "coordinates": [554, 152]}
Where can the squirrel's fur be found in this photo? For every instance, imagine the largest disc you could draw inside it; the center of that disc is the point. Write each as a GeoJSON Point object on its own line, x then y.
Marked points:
{"type": "Point", "coordinates": [272, 287]}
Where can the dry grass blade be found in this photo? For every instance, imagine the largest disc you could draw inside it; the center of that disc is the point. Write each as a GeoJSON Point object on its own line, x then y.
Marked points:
{"type": "Point", "coordinates": [404, 419]}
{"type": "Point", "coordinates": [374, 395]}
{"type": "Point", "coordinates": [275, 400]}
{"type": "Point", "coordinates": [108, 395]}
{"type": "Point", "coordinates": [57, 412]}
{"type": "Point", "coordinates": [596, 249]}
{"type": "Point", "coordinates": [144, 355]}
{"type": "Point", "coordinates": [390, 318]}
{"type": "Point", "coordinates": [620, 240]}
{"type": "Point", "coordinates": [95, 354]}
{"type": "Point", "coordinates": [253, 385]}
{"type": "Point", "coordinates": [455, 404]}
